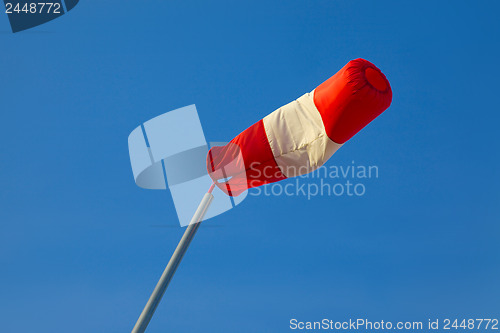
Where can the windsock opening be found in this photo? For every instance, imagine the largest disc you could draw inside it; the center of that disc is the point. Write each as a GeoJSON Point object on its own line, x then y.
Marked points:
{"type": "Point", "coordinates": [376, 79]}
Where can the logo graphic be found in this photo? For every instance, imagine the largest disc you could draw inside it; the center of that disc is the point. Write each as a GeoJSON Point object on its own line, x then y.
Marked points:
{"type": "Point", "coordinates": [26, 14]}
{"type": "Point", "coordinates": [170, 151]}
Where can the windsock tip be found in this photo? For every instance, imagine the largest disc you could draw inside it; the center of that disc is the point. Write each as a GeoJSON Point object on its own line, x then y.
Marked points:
{"type": "Point", "coordinates": [376, 79]}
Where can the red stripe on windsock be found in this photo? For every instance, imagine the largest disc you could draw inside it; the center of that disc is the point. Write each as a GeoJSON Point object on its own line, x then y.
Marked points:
{"type": "Point", "coordinates": [247, 159]}
{"type": "Point", "coordinates": [352, 98]}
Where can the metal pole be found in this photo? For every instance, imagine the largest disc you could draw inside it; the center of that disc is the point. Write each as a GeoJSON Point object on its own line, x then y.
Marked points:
{"type": "Point", "coordinates": [168, 273]}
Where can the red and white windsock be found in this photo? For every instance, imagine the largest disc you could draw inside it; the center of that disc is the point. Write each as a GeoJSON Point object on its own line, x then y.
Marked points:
{"type": "Point", "coordinates": [301, 136]}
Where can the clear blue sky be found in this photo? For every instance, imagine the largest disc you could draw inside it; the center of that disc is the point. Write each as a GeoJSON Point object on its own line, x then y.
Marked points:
{"type": "Point", "coordinates": [81, 246]}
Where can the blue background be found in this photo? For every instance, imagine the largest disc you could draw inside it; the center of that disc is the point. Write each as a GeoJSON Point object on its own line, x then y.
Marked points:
{"type": "Point", "coordinates": [81, 247]}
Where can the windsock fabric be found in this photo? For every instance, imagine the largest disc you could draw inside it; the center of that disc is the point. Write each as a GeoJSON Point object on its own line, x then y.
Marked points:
{"type": "Point", "coordinates": [301, 136]}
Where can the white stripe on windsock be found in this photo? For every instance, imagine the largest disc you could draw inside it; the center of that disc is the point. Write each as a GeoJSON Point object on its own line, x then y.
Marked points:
{"type": "Point", "coordinates": [298, 138]}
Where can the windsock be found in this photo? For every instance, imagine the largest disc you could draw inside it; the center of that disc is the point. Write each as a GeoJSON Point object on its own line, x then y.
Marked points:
{"type": "Point", "coordinates": [301, 136]}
